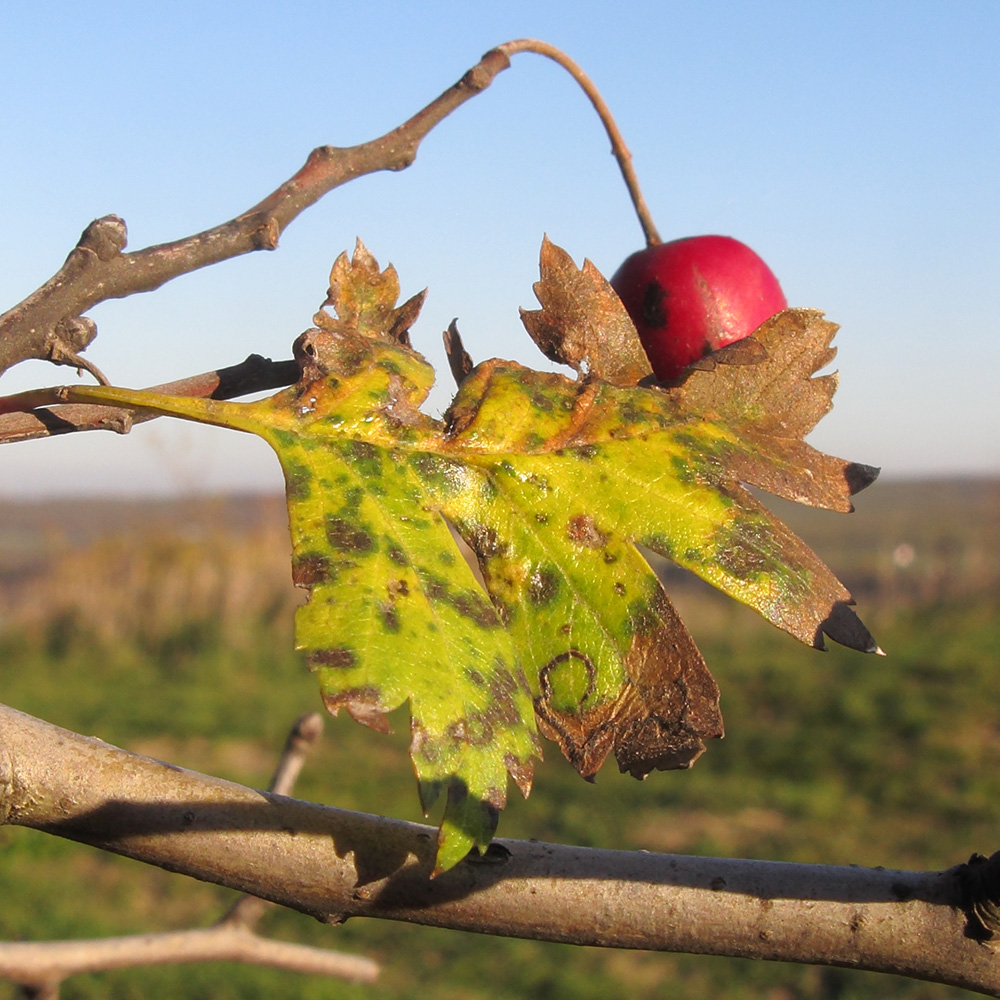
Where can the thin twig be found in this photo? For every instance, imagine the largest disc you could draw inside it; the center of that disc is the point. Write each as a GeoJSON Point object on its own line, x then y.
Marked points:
{"type": "Point", "coordinates": [47, 963]}
{"type": "Point", "coordinates": [255, 374]}
{"type": "Point", "coordinates": [98, 269]}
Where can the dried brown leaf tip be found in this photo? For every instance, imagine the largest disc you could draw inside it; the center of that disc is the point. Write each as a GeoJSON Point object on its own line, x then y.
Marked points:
{"type": "Point", "coordinates": [582, 322]}
{"type": "Point", "coordinates": [364, 299]}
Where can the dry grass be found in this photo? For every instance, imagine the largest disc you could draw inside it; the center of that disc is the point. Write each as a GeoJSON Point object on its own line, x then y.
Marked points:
{"type": "Point", "coordinates": [145, 578]}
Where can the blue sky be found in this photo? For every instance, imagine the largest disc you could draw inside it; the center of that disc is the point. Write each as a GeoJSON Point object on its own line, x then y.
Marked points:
{"type": "Point", "coordinates": [855, 146]}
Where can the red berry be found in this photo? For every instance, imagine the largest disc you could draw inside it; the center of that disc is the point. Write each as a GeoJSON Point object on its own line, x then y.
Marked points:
{"type": "Point", "coordinates": [690, 297]}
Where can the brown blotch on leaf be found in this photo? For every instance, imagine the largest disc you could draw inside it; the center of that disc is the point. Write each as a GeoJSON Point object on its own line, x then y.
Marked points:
{"type": "Point", "coordinates": [485, 542]}
{"type": "Point", "coordinates": [310, 569]}
{"type": "Point", "coordinates": [521, 771]}
{"type": "Point", "coordinates": [390, 617]}
{"type": "Point", "coordinates": [583, 530]}
{"type": "Point", "coordinates": [660, 717]}
{"type": "Point", "coordinates": [475, 730]}
{"type": "Point", "coordinates": [339, 656]}
{"type": "Point", "coordinates": [543, 585]}
{"type": "Point", "coordinates": [362, 704]}
{"type": "Point", "coordinates": [503, 708]}
{"type": "Point", "coordinates": [397, 555]}
{"type": "Point", "coordinates": [467, 603]}
{"type": "Point", "coordinates": [346, 536]}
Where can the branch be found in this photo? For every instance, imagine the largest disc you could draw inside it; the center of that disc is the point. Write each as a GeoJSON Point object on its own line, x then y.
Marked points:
{"type": "Point", "coordinates": [255, 374]}
{"type": "Point", "coordinates": [40, 967]}
{"type": "Point", "coordinates": [335, 864]}
{"type": "Point", "coordinates": [49, 325]}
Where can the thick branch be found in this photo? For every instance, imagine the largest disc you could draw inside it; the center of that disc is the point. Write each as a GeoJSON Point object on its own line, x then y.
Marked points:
{"type": "Point", "coordinates": [48, 324]}
{"type": "Point", "coordinates": [335, 864]}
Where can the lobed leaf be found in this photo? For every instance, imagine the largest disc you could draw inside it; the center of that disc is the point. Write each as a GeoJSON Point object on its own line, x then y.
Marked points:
{"type": "Point", "coordinates": [555, 483]}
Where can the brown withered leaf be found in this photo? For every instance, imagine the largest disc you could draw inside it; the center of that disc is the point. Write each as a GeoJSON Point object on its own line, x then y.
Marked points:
{"type": "Point", "coordinates": [582, 322]}
{"type": "Point", "coordinates": [776, 405]}
{"type": "Point", "coordinates": [368, 306]}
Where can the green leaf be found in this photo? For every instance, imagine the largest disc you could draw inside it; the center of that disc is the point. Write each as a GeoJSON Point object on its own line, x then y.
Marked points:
{"type": "Point", "coordinates": [553, 482]}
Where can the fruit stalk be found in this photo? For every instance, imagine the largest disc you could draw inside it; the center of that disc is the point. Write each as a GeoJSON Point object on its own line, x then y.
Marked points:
{"type": "Point", "coordinates": [618, 147]}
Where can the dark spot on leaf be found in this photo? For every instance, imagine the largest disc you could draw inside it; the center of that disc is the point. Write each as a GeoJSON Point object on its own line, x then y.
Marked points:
{"type": "Point", "coordinates": [298, 481]}
{"type": "Point", "coordinates": [469, 604]}
{"type": "Point", "coordinates": [541, 402]}
{"type": "Point", "coordinates": [485, 542]}
{"type": "Point", "coordinates": [632, 414]}
{"type": "Point", "coordinates": [475, 729]}
{"type": "Point", "coordinates": [398, 588]}
{"type": "Point", "coordinates": [642, 618]}
{"type": "Point", "coordinates": [542, 518]}
{"type": "Point", "coordinates": [620, 589]}
{"type": "Point", "coordinates": [475, 677]}
{"type": "Point", "coordinates": [683, 469]}
{"type": "Point", "coordinates": [588, 451]}
{"type": "Point", "coordinates": [390, 617]}
{"type": "Point", "coordinates": [347, 536]}
{"type": "Point", "coordinates": [610, 557]}
{"type": "Point", "coordinates": [739, 549]}
{"type": "Point", "coordinates": [505, 611]}
{"type": "Point", "coordinates": [438, 472]}
{"type": "Point", "coordinates": [396, 554]}
{"type": "Point", "coordinates": [340, 656]}
{"type": "Point", "coordinates": [660, 543]}
{"type": "Point", "coordinates": [286, 439]}
{"type": "Point", "coordinates": [583, 530]}
{"type": "Point", "coordinates": [353, 498]}
{"type": "Point", "coordinates": [545, 674]}
{"type": "Point", "coordinates": [543, 585]}
{"type": "Point", "coordinates": [310, 568]}
{"type": "Point", "coordinates": [503, 687]}
{"type": "Point", "coordinates": [424, 747]}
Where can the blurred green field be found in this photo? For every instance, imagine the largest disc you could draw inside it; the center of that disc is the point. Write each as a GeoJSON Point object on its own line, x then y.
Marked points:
{"type": "Point", "coordinates": [166, 628]}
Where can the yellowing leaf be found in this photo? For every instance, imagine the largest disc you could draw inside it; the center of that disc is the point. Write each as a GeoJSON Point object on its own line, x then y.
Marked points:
{"type": "Point", "coordinates": [553, 482]}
